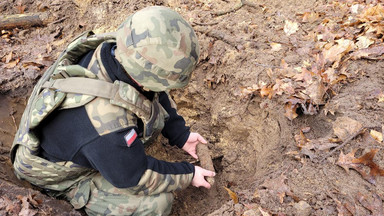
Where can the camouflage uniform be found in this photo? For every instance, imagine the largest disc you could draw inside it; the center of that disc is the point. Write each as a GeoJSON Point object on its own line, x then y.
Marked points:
{"type": "Point", "coordinates": [160, 57]}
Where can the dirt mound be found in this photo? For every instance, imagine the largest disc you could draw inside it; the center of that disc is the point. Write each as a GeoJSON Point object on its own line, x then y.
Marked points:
{"type": "Point", "coordinates": [266, 164]}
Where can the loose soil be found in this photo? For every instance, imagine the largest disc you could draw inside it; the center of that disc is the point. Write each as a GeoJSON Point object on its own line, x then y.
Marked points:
{"type": "Point", "coordinates": [250, 138]}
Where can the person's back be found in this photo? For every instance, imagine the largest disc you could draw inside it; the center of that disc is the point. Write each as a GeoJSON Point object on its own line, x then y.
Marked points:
{"type": "Point", "coordinates": [87, 121]}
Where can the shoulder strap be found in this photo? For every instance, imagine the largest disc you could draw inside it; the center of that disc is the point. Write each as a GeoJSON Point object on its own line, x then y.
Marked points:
{"type": "Point", "coordinates": [82, 85]}
{"type": "Point", "coordinates": [119, 93]}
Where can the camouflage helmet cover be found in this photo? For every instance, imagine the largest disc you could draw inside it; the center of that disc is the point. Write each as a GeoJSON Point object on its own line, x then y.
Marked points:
{"type": "Point", "coordinates": [157, 48]}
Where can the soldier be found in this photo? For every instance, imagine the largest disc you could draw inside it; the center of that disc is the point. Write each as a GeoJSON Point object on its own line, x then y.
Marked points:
{"type": "Point", "coordinates": [83, 132]}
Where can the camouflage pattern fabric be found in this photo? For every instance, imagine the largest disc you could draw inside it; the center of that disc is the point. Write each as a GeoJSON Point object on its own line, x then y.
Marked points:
{"type": "Point", "coordinates": [24, 152]}
{"type": "Point", "coordinates": [103, 114]}
{"type": "Point", "coordinates": [102, 198]}
{"type": "Point", "coordinates": [158, 48]}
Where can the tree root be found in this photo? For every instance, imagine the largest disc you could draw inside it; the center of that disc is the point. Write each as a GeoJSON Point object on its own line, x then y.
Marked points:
{"type": "Point", "coordinates": [237, 7]}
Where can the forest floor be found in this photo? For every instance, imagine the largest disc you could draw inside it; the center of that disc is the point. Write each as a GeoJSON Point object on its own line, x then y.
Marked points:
{"type": "Point", "coordinates": [289, 95]}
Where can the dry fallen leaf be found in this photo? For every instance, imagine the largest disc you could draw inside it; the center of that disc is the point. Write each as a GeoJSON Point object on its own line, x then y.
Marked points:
{"type": "Point", "coordinates": [364, 42]}
{"type": "Point", "coordinates": [290, 111]}
{"type": "Point", "coordinates": [305, 145]}
{"type": "Point", "coordinates": [345, 127]}
{"type": "Point", "coordinates": [290, 27]}
{"type": "Point", "coordinates": [245, 92]}
{"type": "Point", "coordinates": [26, 208]}
{"type": "Point", "coordinates": [355, 8]}
{"type": "Point", "coordinates": [305, 76]}
{"type": "Point", "coordinates": [266, 91]}
{"type": "Point", "coordinates": [233, 195]}
{"type": "Point", "coordinates": [373, 52]}
{"type": "Point", "coordinates": [278, 186]}
{"type": "Point", "coordinates": [377, 135]}
{"type": "Point", "coordinates": [275, 47]}
{"type": "Point", "coordinates": [316, 91]}
{"type": "Point", "coordinates": [337, 51]}
{"type": "Point", "coordinates": [286, 87]}
{"type": "Point", "coordinates": [34, 202]}
{"type": "Point", "coordinates": [310, 17]}
{"type": "Point", "coordinates": [381, 97]}
{"type": "Point", "coordinates": [12, 64]}
{"type": "Point", "coordinates": [44, 60]}
{"type": "Point", "coordinates": [10, 207]}
{"type": "Point", "coordinates": [301, 140]}
{"type": "Point", "coordinates": [350, 162]}
{"type": "Point", "coordinates": [374, 13]}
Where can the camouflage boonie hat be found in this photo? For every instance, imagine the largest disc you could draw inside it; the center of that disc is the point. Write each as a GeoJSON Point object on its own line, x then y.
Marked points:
{"type": "Point", "coordinates": [157, 48]}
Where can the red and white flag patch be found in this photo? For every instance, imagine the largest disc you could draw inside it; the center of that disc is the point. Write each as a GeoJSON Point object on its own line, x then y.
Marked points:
{"type": "Point", "coordinates": [130, 137]}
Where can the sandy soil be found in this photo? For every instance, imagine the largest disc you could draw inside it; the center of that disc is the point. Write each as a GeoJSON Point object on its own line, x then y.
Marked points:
{"type": "Point", "coordinates": [256, 154]}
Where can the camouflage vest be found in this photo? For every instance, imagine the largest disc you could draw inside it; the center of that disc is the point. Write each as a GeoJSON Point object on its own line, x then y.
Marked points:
{"type": "Point", "coordinates": [67, 85]}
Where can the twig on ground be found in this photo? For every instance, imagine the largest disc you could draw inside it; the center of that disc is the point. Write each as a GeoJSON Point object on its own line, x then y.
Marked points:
{"type": "Point", "coordinates": [218, 35]}
{"type": "Point", "coordinates": [237, 7]}
{"type": "Point", "coordinates": [343, 144]}
{"type": "Point", "coordinates": [205, 24]}
{"type": "Point", "coordinates": [58, 21]}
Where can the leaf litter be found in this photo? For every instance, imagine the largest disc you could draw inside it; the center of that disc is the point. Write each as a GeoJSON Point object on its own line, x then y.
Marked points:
{"type": "Point", "coordinates": [22, 206]}
{"type": "Point", "coordinates": [349, 161]}
{"type": "Point", "coordinates": [345, 127]}
{"type": "Point", "coordinates": [278, 187]}
{"type": "Point", "coordinates": [345, 32]}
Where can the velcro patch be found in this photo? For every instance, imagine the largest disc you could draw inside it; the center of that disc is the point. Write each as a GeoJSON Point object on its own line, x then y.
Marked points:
{"type": "Point", "coordinates": [130, 137]}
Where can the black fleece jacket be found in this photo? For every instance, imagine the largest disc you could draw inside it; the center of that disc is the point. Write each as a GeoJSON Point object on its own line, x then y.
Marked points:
{"type": "Point", "coordinates": [68, 135]}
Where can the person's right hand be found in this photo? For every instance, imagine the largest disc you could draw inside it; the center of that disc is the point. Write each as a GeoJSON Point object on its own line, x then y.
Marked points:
{"type": "Point", "coordinates": [199, 180]}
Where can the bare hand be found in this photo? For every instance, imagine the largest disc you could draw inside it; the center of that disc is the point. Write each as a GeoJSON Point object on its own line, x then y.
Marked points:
{"type": "Point", "coordinates": [199, 180]}
{"type": "Point", "coordinates": [190, 145]}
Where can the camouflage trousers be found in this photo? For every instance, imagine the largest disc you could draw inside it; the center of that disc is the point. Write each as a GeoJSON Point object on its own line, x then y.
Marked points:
{"type": "Point", "coordinates": [99, 197]}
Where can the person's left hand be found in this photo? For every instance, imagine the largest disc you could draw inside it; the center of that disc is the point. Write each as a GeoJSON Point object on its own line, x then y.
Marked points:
{"type": "Point", "coordinates": [190, 145]}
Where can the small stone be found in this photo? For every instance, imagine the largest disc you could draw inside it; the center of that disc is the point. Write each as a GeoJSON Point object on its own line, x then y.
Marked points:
{"type": "Point", "coordinates": [302, 208]}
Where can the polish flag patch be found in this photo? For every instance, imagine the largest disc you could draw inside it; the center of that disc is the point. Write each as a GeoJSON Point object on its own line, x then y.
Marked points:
{"type": "Point", "coordinates": [130, 137]}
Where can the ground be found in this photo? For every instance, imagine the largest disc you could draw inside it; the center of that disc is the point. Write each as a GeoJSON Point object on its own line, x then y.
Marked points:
{"type": "Point", "coordinates": [273, 155]}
